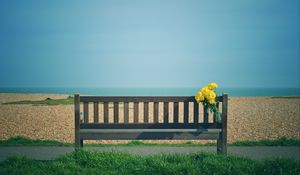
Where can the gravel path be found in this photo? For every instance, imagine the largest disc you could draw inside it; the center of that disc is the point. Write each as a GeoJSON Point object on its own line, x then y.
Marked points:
{"type": "Point", "coordinates": [50, 153]}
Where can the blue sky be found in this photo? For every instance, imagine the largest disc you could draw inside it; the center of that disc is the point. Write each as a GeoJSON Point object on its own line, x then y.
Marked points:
{"type": "Point", "coordinates": [154, 43]}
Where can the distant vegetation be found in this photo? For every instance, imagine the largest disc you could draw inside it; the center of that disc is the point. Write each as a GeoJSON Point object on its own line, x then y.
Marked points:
{"type": "Point", "coordinates": [23, 141]}
{"type": "Point", "coordinates": [47, 101]}
{"type": "Point", "coordinates": [286, 97]}
{"type": "Point", "coordinates": [88, 162]}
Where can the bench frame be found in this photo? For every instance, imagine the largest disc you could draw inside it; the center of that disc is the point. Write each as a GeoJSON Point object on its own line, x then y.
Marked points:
{"type": "Point", "coordinates": [148, 131]}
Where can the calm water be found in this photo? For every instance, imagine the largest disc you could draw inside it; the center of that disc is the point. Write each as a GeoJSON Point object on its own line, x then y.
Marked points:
{"type": "Point", "coordinates": [156, 91]}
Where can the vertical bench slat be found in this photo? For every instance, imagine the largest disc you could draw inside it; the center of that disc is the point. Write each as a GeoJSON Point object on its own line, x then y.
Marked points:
{"type": "Point", "coordinates": [196, 112]}
{"type": "Point", "coordinates": [222, 141]}
{"type": "Point", "coordinates": [146, 114]}
{"type": "Point", "coordinates": [166, 112]}
{"type": "Point", "coordinates": [155, 113]}
{"type": "Point", "coordinates": [176, 109]}
{"type": "Point", "coordinates": [86, 112]}
{"type": "Point", "coordinates": [116, 112]}
{"type": "Point", "coordinates": [205, 114]}
{"type": "Point", "coordinates": [186, 112]}
{"type": "Point", "coordinates": [136, 112]}
{"type": "Point", "coordinates": [96, 112]}
{"type": "Point", "coordinates": [126, 112]}
{"type": "Point", "coordinates": [106, 112]}
{"type": "Point", "coordinates": [224, 123]}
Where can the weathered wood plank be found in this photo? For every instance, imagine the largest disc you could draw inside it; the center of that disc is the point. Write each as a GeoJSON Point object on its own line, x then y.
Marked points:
{"type": "Point", "coordinates": [116, 112]}
{"type": "Point", "coordinates": [106, 110]}
{"type": "Point", "coordinates": [136, 112]}
{"type": "Point", "coordinates": [150, 130]}
{"type": "Point", "coordinates": [149, 136]}
{"type": "Point", "coordinates": [155, 112]}
{"type": "Point", "coordinates": [166, 112]}
{"type": "Point", "coordinates": [126, 112]}
{"type": "Point", "coordinates": [146, 112]}
{"type": "Point", "coordinates": [140, 98]}
{"type": "Point", "coordinates": [186, 112]}
{"type": "Point", "coordinates": [150, 126]}
{"type": "Point", "coordinates": [205, 114]}
{"type": "Point", "coordinates": [176, 111]}
{"type": "Point", "coordinates": [86, 112]}
{"type": "Point", "coordinates": [96, 112]}
{"type": "Point", "coordinates": [77, 120]}
{"type": "Point", "coordinates": [196, 112]}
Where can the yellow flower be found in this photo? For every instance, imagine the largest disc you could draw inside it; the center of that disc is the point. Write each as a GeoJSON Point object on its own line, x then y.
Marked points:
{"type": "Point", "coordinates": [212, 95]}
{"type": "Point", "coordinates": [212, 101]}
{"type": "Point", "coordinates": [199, 97]}
{"type": "Point", "coordinates": [212, 86]}
{"type": "Point", "coordinates": [205, 91]}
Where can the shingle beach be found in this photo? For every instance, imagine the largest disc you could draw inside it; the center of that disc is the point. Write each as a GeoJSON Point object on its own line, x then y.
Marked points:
{"type": "Point", "coordinates": [249, 118]}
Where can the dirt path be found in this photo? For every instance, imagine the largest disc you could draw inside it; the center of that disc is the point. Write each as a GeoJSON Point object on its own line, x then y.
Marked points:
{"type": "Point", "coordinates": [50, 153]}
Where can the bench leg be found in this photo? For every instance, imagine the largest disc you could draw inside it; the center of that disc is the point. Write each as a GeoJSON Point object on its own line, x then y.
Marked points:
{"type": "Point", "coordinates": [81, 143]}
{"type": "Point", "coordinates": [77, 121]}
{"type": "Point", "coordinates": [77, 143]}
{"type": "Point", "coordinates": [219, 146]}
{"type": "Point", "coordinates": [222, 144]}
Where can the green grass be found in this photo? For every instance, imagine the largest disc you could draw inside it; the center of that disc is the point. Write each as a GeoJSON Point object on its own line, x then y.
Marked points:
{"type": "Point", "coordinates": [86, 162]}
{"type": "Point", "coordinates": [47, 101]}
{"type": "Point", "coordinates": [141, 143]}
{"type": "Point", "coordinates": [284, 141]}
{"type": "Point", "coordinates": [23, 141]}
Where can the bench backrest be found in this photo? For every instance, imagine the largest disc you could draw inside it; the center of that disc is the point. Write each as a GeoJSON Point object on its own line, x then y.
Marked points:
{"type": "Point", "coordinates": [190, 108]}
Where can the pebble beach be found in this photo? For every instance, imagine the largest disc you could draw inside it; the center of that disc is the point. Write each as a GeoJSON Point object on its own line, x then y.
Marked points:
{"type": "Point", "coordinates": [249, 118]}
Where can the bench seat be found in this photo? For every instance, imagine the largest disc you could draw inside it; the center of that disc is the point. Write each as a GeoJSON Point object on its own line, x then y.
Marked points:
{"type": "Point", "coordinates": [149, 134]}
{"type": "Point", "coordinates": [150, 130]}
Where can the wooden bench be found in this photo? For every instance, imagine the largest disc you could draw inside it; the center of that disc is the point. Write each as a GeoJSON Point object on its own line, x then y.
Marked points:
{"type": "Point", "coordinates": [161, 128]}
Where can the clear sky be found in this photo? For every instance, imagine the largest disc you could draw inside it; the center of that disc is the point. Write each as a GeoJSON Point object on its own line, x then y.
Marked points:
{"type": "Point", "coordinates": [154, 43]}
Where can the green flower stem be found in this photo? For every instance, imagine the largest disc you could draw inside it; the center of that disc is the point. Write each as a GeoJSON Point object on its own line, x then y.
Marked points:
{"type": "Point", "coordinates": [213, 109]}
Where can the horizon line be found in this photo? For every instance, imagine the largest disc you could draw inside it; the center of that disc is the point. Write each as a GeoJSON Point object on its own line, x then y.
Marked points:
{"type": "Point", "coordinates": [146, 87]}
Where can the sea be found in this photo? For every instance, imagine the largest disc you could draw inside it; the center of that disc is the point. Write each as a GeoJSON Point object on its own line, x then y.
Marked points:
{"type": "Point", "coordinates": [247, 92]}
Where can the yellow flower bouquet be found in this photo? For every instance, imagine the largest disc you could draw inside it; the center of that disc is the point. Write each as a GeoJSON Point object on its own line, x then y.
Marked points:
{"type": "Point", "coordinates": [207, 96]}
